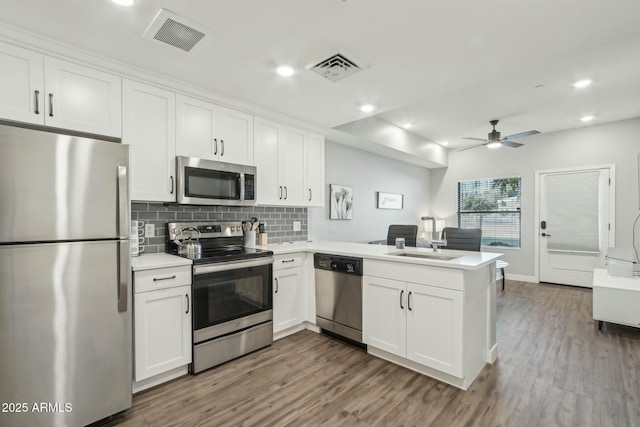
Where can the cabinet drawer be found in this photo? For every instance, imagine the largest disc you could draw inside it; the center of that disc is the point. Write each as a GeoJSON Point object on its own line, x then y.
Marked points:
{"type": "Point", "coordinates": [287, 261]}
{"type": "Point", "coordinates": [161, 278]}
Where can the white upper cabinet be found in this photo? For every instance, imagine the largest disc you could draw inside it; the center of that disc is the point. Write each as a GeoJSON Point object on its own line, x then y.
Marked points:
{"type": "Point", "coordinates": [82, 98]}
{"type": "Point", "coordinates": [267, 135]}
{"type": "Point", "coordinates": [21, 84]}
{"type": "Point", "coordinates": [208, 131]}
{"type": "Point", "coordinates": [47, 91]}
{"type": "Point", "coordinates": [290, 165]}
{"type": "Point", "coordinates": [292, 159]}
{"type": "Point", "coordinates": [315, 170]}
{"type": "Point", "coordinates": [149, 128]}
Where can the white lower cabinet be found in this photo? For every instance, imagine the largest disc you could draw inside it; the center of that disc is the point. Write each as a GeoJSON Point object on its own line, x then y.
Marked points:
{"type": "Point", "coordinates": [288, 292]}
{"type": "Point", "coordinates": [418, 322]}
{"type": "Point", "coordinates": [162, 322]}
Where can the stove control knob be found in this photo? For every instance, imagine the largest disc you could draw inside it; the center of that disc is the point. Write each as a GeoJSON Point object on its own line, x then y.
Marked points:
{"type": "Point", "coordinates": [236, 228]}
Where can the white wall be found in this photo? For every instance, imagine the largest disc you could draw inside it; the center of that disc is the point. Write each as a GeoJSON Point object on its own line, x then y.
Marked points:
{"type": "Point", "coordinates": [617, 143]}
{"type": "Point", "coordinates": [369, 173]}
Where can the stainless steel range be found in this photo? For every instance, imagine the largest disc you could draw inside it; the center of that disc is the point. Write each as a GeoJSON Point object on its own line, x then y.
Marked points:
{"type": "Point", "coordinates": [232, 291]}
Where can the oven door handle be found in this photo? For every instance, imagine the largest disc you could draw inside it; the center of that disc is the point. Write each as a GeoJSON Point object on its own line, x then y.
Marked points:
{"type": "Point", "coordinates": [231, 265]}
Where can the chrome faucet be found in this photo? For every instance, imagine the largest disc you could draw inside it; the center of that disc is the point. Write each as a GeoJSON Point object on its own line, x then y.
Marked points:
{"type": "Point", "coordinates": [434, 242]}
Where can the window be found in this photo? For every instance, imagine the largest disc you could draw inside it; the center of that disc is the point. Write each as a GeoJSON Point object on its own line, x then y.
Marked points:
{"type": "Point", "coordinates": [492, 205]}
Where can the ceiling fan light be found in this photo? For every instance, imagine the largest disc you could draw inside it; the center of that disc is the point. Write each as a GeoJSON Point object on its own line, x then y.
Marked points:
{"type": "Point", "coordinates": [494, 144]}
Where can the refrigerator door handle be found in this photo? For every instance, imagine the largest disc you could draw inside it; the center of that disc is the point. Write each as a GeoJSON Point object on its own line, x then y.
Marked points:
{"type": "Point", "coordinates": [122, 219]}
{"type": "Point", "coordinates": [123, 275]}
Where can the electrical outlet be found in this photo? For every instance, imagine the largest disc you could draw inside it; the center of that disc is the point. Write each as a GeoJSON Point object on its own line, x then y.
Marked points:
{"type": "Point", "coordinates": [296, 226]}
{"type": "Point", "coordinates": [149, 230]}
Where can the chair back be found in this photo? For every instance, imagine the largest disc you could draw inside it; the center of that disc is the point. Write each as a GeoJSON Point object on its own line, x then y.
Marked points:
{"type": "Point", "coordinates": [409, 232]}
{"type": "Point", "coordinates": [463, 239]}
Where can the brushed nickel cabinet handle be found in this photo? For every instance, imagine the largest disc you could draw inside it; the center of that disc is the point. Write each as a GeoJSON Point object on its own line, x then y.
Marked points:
{"type": "Point", "coordinates": [280, 197]}
{"type": "Point", "coordinates": [157, 279]}
{"type": "Point", "coordinates": [310, 194]}
{"type": "Point", "coordinates": [286, 192]}
{"type": "Point", "coordinates": [277, 286]}
{"type": "Point", "coordinates": [37, 94]}
{"type": "Point", "coordinates": [215, 146]}
{"type": "Point", "coordinates": [187, 297]}
{"type": "Point", "coordinates": [401, 295]}
{"type": "Point", "coordinates": [50, 105]}
{"type": "Point", "coordinates": [171, 177]}
{"type": "Point", "coordinates": [409, 301]}
{"type": "Point", "coordinates": [222, 149]}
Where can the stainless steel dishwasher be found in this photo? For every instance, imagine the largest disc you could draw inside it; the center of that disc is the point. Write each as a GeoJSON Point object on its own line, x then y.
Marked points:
{"type": "Point", "coordinates": [339, 295]}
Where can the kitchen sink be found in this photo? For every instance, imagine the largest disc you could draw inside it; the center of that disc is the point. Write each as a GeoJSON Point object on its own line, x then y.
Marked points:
{"type": "Point", "coordinates": [440, 257]}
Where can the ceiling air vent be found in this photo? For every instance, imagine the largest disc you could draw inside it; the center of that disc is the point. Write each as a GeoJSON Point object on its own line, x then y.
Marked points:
{"type": "Point", "coordinates": [336, 67]}
{"type": "Point", "coordinates": [169, 28]}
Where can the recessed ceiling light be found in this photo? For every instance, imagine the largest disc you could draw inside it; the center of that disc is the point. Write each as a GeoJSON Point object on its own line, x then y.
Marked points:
{"type": "Point", "coordinates": [367, 108]}
{"type": "Point", "coordinates": [582, 83]}
{"type": "Point", "coordinates": [285, 71]}
{"type": "Point", "coordinates": [407, 125]}
{"type": "Point", "coordinates": [494, 144]}
{"type": "Point", "coordinates": [585, 119]}
{"type": "Point", "coordinates": [444, 143]}
{"type": "Point", "coordinates": [123, 2]}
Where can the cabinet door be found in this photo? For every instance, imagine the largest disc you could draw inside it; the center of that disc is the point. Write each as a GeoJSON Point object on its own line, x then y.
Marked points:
{"type": "Point", "coordinates": [194, 121]}
{"type": "Point", "coordinates": [291, 166]}
{"type": "Point", "coordinates": [384, 323]}
{"type": "Point", "coordinates": [149, 128]}
{"type": "Point", "coordinates": [315, 170]}
{"type": "Point", "coordinates": [21, 84]}
{"type": "Point", "coordinates": [287, 301]}
{"type": "Point", "coordinates": [269, 190]}
{"type": "Point", "coordinates": [82, 98]}
{"type": "Point", "coordinates": [162, 331]}
{"type": "Point", "coordinates": [434, 328]}
{"type": "Point", "coordinates": [234, 132]}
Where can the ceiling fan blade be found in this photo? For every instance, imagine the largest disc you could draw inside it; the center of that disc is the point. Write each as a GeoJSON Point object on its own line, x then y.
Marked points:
{"type": "Point", "coordinates": [521, 134]}
{"type": "Point", "coordinates": [474, 139]}
{"type": "Point", "coordinates": [473, 146]}
{"type": "Point", "coordinates": [511, 144]}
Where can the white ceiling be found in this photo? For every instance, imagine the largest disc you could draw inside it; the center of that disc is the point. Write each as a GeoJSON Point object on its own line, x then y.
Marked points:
{"type": "Point", "coordinates": [446, 66]}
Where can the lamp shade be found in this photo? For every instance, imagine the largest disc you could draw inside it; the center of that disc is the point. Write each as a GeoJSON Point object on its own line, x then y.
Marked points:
{"type": "Point", "coordinates": [439, 225]}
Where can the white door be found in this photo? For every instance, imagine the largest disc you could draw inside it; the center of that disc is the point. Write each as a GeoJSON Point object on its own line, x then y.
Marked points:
{"type": "Point", "coordinates": [384, 320]}
{"type": "Point", "coordinates": [21, 84]}
{"type": "Point", "coordinates": [266, 160]}
{"type": "Point", "coordinates": [291, 166]}
{"type": "Point", "coordinates": [149, 128]}
{"type": "Point", "coordinates": [194, 133]}
{"type": "Point", "coordinates": [434, 328]}
{"type": "Point", "coordinates": [574, 224]}
{"type": "Point", "coordinates": [287, 304]}
{"type": "Point", "coordinates": [234, 132]}
{"type": "Point", "coordinates": [162, 331]}
{"type": "Point", "coordinates": [315, 170]}
{"type": "Point", "coordinates": [81, 98]}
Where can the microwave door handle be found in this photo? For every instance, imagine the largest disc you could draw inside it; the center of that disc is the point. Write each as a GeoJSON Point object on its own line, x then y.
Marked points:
{"type": "Point", "coordinates": [241, 178]}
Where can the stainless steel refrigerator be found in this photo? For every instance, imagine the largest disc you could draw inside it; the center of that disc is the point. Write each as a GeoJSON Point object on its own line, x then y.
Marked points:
{"type": "Point", "coordinates": [65, 306]}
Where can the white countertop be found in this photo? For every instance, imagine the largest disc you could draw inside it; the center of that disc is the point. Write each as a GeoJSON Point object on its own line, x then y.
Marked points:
{"type": "Point", "coordinates": [467, 260]}
{"type": "Point", "coordinates": [161, 260]}
{"type": "Point", "coordinates": [602, 279]}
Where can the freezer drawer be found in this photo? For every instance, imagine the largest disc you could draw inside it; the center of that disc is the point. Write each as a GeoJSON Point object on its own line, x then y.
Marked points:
{"type": "Point", "coordinates": [65, 340]}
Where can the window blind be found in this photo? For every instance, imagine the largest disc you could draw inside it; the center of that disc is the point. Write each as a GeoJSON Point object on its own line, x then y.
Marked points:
{"type": "Point", "coordinates": [492, 205]}
{"type": "Point", "coordinates": [572, 211]}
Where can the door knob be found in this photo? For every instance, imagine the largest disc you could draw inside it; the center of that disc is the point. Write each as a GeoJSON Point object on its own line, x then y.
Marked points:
{"type": "Point", "coordinates": [545, 235]}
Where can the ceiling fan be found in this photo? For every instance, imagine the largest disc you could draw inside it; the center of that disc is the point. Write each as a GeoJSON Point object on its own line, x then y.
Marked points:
{"type": "Point", "coordinates": [494, 140]}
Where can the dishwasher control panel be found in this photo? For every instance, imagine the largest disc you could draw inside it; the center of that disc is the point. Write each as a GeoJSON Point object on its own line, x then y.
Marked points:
{"type": "Point", "coordinates": [338, 264]}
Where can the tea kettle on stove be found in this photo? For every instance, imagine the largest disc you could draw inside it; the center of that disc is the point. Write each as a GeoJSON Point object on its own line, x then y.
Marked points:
{"type": "Point", "coordinates": [188, 246]}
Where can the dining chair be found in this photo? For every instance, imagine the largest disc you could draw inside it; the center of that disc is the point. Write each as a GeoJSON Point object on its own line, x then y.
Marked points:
{"type": "Point", "coordinates": [409, 232]}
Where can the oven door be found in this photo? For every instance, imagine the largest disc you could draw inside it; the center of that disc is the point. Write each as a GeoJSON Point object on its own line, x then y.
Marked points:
{"type": "Point", "coordinates": [231, 296]}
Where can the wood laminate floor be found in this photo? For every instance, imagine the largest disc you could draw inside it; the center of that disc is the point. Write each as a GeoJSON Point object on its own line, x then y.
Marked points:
{"type": "Point", "coordinates": [554, 369]}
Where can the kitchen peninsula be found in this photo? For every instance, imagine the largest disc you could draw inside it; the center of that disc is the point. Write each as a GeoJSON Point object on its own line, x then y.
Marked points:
{"type": "Point", "coordinates": [432, 312]}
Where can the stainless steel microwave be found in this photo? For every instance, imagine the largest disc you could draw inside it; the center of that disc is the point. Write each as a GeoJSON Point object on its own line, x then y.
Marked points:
{"type": "Point", "coordinates": [207, 182]}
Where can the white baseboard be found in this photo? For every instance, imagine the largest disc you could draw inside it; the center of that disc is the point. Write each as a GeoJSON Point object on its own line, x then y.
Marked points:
{"type": "Point", "coordinates": [521, 278]}
{"type": "Point", "coordinates": [493, 353]}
